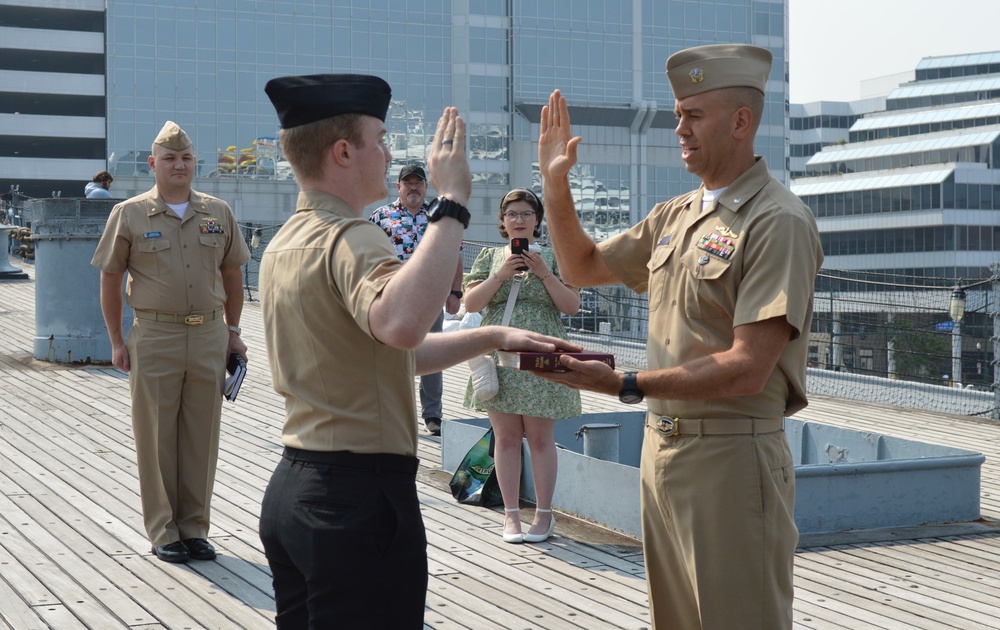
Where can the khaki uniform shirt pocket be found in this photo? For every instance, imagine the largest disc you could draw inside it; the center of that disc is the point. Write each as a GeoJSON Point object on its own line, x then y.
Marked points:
{"type": "Point", "coordinates": [659, 275]}
{"type": "Point", "coordinates": [710, 292]}
{"type": "Point", "coordinates": [213, 248]}
{"type": "Point", "coordinates": [153, 257]}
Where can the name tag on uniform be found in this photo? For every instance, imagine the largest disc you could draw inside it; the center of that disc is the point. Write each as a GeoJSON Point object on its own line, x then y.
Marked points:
{"type": "Point", "coordinates": [152, 235]}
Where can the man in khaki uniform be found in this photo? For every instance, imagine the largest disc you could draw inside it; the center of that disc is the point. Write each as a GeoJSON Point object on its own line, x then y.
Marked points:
{"type": "Point", "coordinates": [729, 270]}
{"type": "Point", "coordinates": [183, 253]}
{"type": "Point", "coordinates": [346, 325]}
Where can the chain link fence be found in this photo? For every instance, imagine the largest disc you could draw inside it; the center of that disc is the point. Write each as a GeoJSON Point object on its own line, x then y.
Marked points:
{"type": "Point", "coordinates": [886, 330]}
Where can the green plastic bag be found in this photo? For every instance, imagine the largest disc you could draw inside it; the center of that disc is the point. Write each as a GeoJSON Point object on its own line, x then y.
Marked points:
{"type": "Point", "coordinates": [475, 479]}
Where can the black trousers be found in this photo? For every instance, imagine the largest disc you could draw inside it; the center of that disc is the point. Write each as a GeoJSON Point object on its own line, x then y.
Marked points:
{"type": "Point", "coordinates": [345, 541]}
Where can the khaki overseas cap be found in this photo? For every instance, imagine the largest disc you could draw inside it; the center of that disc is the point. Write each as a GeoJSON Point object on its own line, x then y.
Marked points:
{"type": "Point", "coordinates": [172, 137]}
{"type": "Point", "coordinates": [706, 68]}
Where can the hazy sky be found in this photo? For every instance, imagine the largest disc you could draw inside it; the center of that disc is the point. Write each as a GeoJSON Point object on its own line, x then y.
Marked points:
{"type": "Point", "coordinates": [833, 46]}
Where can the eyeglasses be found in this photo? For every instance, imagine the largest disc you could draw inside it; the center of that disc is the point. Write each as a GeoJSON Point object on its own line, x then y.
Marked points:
{"type": "Point", "coordinates": [516, 216]}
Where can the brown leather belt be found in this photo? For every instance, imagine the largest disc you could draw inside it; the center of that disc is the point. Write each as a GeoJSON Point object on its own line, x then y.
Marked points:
{"type": "Point", "coordinates": [669, 427]}
{"type": "Point", "coordinates": [191, 319]}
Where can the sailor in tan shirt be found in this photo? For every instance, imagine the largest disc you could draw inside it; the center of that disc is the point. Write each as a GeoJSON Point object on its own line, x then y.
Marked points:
{"type": "Point", "coordinates": [346, 325]}
{"type": "Point", "coordinates": [729, 271]}
{"type": "Point", "coordinates": [183, 253]}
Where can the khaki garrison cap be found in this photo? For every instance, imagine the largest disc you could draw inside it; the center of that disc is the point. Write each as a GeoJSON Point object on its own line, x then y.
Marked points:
{"type": "Point", "coordinates": [172, 137]}
{"type": "Point", "coordinates": [706, 68]}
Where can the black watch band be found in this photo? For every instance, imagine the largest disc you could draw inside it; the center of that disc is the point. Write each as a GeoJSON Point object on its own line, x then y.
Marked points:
{"type": "Point", "coordinates": [630, 393]}
{"type": "Point", "coordinates": [444, 207]}
{"type": "Point", "coordinates": [457, 294]}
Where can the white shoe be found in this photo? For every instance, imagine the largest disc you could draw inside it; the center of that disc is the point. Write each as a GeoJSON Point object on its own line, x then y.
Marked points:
{"type": "Point", "coordinates": [514, 539]}
{"type": "Point", "coordinates": [537, 538]}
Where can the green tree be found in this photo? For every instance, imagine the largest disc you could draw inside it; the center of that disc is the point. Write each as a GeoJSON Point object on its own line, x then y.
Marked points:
{"type": "Point", "coordinates": [920, 354]}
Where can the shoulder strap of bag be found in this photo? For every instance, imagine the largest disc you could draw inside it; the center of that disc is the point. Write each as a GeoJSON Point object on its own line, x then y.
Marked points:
{"type": "Point", "coordinates": [511, 299]}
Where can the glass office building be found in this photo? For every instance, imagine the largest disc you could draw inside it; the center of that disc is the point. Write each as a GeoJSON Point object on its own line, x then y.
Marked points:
{"type": "Point", "coordinates": [204, 64]}
{"type": "Point", "coordinates": [915, 189]}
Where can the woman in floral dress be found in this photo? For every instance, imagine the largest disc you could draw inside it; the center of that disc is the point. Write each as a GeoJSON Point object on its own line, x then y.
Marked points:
{"type": "Point", "coordinates": [526, 406]}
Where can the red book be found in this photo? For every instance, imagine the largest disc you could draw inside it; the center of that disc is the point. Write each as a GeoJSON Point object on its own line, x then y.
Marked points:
{"type": "Point", "coordinates": [548, 361]}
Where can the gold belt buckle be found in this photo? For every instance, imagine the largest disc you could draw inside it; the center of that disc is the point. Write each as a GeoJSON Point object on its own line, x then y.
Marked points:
{"type": "Point", "coordinates": [194, 320]}
{"type": "Point", "coordinates": [668, 426]}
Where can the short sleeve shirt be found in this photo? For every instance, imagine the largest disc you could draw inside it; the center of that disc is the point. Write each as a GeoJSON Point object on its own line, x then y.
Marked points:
{"type": "Point", "coordinates": [753, 255]}
{"type": "Point", "coordinates": [403, 227]}
{"type": "Point", "coordinates": [343, 389]}
{"type": "Point", "coordinates": [174, 265]}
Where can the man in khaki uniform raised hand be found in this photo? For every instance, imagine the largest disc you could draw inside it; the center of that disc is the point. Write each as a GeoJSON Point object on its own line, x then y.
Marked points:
{"type": "Point", "coordinates": [729, 270]}
{"type": "Point", "coordinates": [183, 253]}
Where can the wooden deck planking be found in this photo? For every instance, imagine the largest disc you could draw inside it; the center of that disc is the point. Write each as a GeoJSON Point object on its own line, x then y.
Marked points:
{"type": "Point", "coordinates": [73, 553]}
{"type": "Point", "coordinates": [584, 603]}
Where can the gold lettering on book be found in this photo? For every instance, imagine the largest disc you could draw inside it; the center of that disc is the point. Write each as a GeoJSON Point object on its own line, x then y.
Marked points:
{"type": "Point", "coordinates": [541, 363]}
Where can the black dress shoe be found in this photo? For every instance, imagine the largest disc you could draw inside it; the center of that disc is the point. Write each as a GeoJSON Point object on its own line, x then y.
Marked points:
{"type": "Point", "coordinates": [172, 552]}
{"type": "Point", "coordinates": [199, 549]}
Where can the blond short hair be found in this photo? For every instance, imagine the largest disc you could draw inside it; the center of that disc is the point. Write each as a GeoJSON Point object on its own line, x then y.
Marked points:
{"type": "Point", "coordinates": [305, 145]}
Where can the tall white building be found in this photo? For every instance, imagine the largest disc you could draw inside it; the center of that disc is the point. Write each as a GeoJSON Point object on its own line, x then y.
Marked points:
{"type": "Point", "coordinates": [86, 84]}
{"type": "Point", "coordinates": [813, 126]}
{"type": "Point", "coordinates": [915, 189]}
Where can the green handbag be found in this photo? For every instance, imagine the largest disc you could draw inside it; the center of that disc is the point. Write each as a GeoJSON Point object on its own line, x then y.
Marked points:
{"type": "Point", "coordinates": [475, 479]}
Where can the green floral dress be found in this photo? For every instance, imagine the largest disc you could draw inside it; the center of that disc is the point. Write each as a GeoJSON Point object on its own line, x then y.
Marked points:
{"type": "Point", "coordinates": [522, 392]}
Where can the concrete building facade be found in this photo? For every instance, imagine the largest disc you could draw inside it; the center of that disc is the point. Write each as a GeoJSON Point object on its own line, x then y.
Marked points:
{"type": "Point", "coordinates": [86, 84]}
{"type": "Point", "coordinates": [914, 189]}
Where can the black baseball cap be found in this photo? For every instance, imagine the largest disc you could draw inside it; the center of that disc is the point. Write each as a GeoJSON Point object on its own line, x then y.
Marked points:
{"type": "Point", "coordinates": [412, 169]}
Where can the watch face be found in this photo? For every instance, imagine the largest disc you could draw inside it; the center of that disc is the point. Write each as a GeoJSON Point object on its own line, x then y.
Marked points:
{"type": "Point", "coordinates": [437, 209]}
{"type": "Point", "coordinates": [432, 209]}
{"type": "Point", "coordinates": [442, 207]}
{"type": "Point", "coordinates": [630, 393]}
{"type": "Point", "coordinates": [630, 397]}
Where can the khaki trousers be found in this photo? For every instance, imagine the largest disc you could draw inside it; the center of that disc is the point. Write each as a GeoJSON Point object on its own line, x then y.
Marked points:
{"type": "Point", "coordinates": [176, 378]}
{"type": "Point", "coordinates": [718, 531]}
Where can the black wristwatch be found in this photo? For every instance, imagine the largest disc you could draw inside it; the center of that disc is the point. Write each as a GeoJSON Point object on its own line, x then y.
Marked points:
{"type": "Point", "coordinates": [444, 207]}
{"type": "Point", "coordinates": [630, 393]}
{"type": "Point", "coordinates": [457, 294]}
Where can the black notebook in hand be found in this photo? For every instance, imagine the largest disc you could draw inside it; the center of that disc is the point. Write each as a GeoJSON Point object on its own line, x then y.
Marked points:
{"type": "Point", "coordinates": [237, 369]}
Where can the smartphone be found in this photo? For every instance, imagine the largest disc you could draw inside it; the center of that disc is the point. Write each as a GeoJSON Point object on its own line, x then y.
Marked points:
{"type": "Point", "coordinates": [519, 246]}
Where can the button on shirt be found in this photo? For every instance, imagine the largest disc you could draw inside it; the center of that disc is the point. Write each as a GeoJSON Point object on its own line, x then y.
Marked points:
{"type": "Point", "coordinates": [174, 265]}
{"type": "Point", "coordinates": [751, 256]}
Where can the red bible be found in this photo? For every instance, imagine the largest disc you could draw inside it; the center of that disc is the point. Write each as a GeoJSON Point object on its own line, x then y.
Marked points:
{"type": "Point", "coordinates": [548, 361]}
